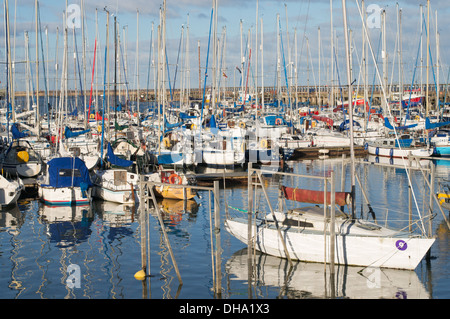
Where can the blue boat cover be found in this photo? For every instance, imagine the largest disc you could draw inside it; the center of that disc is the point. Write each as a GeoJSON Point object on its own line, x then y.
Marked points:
{"type": "Point", "coordinates": [271, 120]}
{"type": "Point", "coordinates": [113, 159]}
{"type": "Point", "coordinates": [16, 133]}
{"type": "Point", "coordinates": [429, 125]}
{"type": "Point", "coordinates": [68, 133]}
{"type": "Point", "coordinates": [389, 125]}
{"type": "Point", "coordinates": [68, 172]}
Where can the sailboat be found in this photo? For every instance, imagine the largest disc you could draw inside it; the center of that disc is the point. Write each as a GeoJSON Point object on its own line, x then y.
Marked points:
{"type": "Point", "coordinates": [20, 158]}
{"type": "Point", "coordinates": [66, 182]}
{"type": "Point", "coordinates": [10, 190]}
{"type": "Point", "coordinates": [115, 184]}
{"type": "Point", "coordinates": [325, 234]}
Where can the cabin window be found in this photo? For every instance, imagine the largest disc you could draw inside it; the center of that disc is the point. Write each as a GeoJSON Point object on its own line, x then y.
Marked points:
{"type": "Point", "coordinates": [296, 223]}
{"type": "Point", "coordinates": [67, 172]}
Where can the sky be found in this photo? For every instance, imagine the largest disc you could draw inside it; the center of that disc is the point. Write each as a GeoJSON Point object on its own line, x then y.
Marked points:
{"type": "Point", "coordinates": [299, 22]}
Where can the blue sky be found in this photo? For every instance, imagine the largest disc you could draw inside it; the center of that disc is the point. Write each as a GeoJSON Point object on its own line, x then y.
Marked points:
{"type": "Point", "coordinates": [303, 17]}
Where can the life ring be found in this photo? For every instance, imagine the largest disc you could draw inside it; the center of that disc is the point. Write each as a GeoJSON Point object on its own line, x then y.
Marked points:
{"type": "Point", "coordinates": [278, 121]}
{"type": "Point", "coordinates": [193, 127]}
{"type": "Point", "coordinates": [417, 118]}
{"type": "Point", "coordinates": [264, 143]}
{"type": "Point", "coordinates": [242, 124]}
{"type": "Point", "coordinates": [92, 116]}
{"type": "Point", "coordinates": [175, 179]}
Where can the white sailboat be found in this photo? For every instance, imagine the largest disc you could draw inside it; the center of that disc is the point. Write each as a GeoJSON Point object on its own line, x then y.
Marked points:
{"type": "Point", "coordinates": [358, 242]}
{"type": "Point", "coordinates": [324, 234]}
{"type": "Point", "coordinates": [10, 190]}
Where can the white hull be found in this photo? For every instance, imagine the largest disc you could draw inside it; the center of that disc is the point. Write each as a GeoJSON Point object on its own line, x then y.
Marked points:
{"type": "Point", "coordinates": [114, 186]}
{"type": "Point", "coordinates": [397, 152]}
{"type": "Point", "coordinates": [63, 196]}
{"type": "Point", "coordinates": [25, 170]}
{"type": "Point", "coordinates": [218, 157]}
{"type": "Point", "coordinates": [353, 250]}
{"type": "Point", "coordinates": [10, 191]}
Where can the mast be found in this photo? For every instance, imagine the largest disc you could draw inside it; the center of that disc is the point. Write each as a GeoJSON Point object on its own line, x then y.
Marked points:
{"type": "Point", "coordinates": [438, 56]}
{"type": "Point", "coordinates": [350, 104]}
{"type": "Point", "coordinates": [384, 55]}
{"type": "Point", "coordinates": [427, 97]}
{"type": "Point", "coordinates": [262, 67]}
{"type": "Point", "coordinates": [115, 75]}
{"type": "Point", "coordinates": [137, 67]}
{"type": "Point", "coordinates": [38, 121]}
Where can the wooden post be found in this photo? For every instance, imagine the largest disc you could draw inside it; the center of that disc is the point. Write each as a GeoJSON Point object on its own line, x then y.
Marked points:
{"type": "Point", "coordinates": [143, 224]}
{"type": "Point", "coordinates": [409, 196]}
{"type": "Point", "coordinates": [218, 286]}
{"type": "Point", "coordinates": [430, 211]}
{"type": "Point", "coordinates": [275, 219]}
{"type": "Point", "coordinates": [166, 239]}
{"type": "Point", "coordinates": [332, 235]}
{"type": "Point", "coordinates": [249, 222]}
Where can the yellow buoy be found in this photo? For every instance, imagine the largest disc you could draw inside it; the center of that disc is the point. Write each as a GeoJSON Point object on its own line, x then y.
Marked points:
{"type": "Point", "coordinates": [99, 128]}
{"type": "Point", "coordinates": [23, 156]}
{"type": "Point", "coordinates": [140, 275]}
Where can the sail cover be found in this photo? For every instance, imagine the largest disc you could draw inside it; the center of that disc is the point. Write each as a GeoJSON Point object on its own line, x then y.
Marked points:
{"type": "Point", "coordinates": [68, 133]}
{"type": "Point", "coordinates": [389, 125]}
{"type": "Point", "coordinates": [429, 125]}
{"type": "Point", "coordinates": [315, 197]}
{"type": "Point", "coordinates": [68, 172]}
{"type": "Point", "coordinates": [113, 159]}
{"type": "Point", "coordinates": [16, 133]}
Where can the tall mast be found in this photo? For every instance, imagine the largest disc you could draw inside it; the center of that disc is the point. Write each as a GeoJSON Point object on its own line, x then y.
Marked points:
{"type": "Point", "coordinates": [38, 121]}
{"type": "Point", "coordinates": [350, 105]}
{"type": "Point", "coordinates": [262, 66]}
{"type": "Point", "coordinates": [137, 66]}
{"type": "Point", "coordinates": [428, 59]}
{"type": "Point", "coordinates": [384, 55]}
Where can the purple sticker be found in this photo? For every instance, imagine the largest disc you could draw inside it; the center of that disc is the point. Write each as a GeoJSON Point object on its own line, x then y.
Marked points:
{"type": "Point", "coordinates": [401, 245]}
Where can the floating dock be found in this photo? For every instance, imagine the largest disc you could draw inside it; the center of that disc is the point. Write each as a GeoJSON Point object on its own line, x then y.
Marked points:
{"type": "Point", "coordinates": [315, 152]}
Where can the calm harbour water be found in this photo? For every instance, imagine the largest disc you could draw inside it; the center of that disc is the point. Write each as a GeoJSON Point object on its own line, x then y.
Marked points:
{"type": "Point", "coordinates": [39, 244]}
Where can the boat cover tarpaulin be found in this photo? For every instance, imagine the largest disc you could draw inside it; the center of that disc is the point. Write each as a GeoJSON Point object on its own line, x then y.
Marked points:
{"type": "Point", "coordinates": [315, 197]}
{"type": "Point", "coordinates": [68, 172]}
{"type": "Point", "coordinates": [113, 159]}
{"type": "Point", "coordinates": [68, 133]}
{"type": "Point", "coordinates": [389, 125]}
{"type": "Point", "coordinates": [16, 133]}
{"type": "Point", "coordinates": [429, 125]}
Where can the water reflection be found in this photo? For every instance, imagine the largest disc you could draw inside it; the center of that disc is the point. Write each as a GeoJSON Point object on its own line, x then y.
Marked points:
{"type": "Point", "coordinates": [67, 226]}
{"type": "Point", "coordinates": [314, 280]}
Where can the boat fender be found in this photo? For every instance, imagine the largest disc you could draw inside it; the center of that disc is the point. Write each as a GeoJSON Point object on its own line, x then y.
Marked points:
{"type": "Point", "coordinates": [166, 142]}
{"type": "Point", "coordinates": [175, 179]}
{"type": "Point", "coordinates": [377, 151]}
{"type": "Point", "coordinates": [23, 156]}
{"type": "Point", "coordinates": [391, 152]}
{"type": "Point", "coordinates": [366, 146]}
{"type": "Point", "coordinates": [264, 143]}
